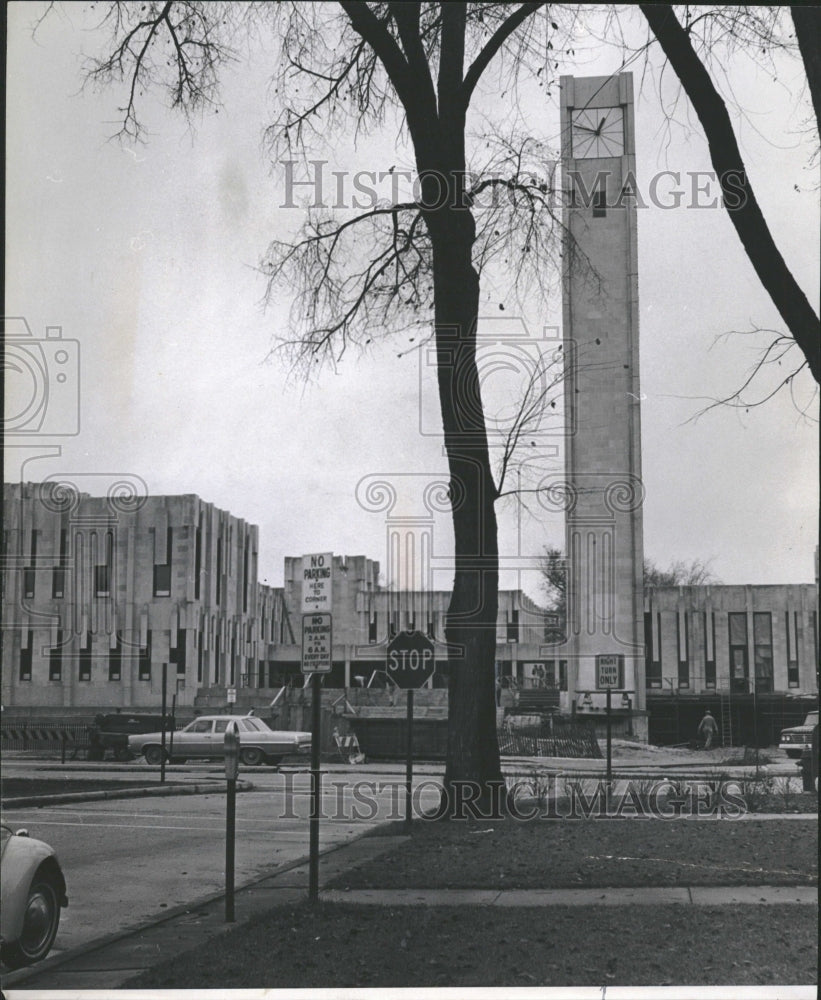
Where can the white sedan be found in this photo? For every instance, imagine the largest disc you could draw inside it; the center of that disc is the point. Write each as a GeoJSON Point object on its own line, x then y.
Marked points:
{"type": "Point", "coordinates": [205, 737]}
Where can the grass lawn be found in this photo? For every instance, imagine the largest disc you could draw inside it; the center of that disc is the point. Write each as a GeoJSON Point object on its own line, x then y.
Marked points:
{"type": "Point", "coordinates": [15, 787]}
{"type": "Point", "coordinates": [341, 945]}
{"type": "Point", "coordinates": [546, 854]}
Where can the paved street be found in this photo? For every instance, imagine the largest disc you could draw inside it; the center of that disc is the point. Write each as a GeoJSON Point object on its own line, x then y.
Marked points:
{"type": "Point", "coordinates": [126, 860]}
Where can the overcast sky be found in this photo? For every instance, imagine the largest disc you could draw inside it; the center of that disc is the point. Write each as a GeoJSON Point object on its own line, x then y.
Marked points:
{"type": "Point", "coordinates": [146, 257]}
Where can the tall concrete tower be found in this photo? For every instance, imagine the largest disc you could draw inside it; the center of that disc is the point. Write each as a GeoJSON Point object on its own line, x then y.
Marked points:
{"type": "Point", "coordinates": [603, 488]}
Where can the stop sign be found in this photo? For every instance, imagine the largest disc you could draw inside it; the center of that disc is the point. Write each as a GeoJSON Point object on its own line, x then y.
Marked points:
{"type": "Point", "coordinates": [410, 659]}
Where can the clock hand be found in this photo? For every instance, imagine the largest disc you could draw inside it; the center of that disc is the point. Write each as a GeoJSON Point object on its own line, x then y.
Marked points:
{"type": "Point", "coordinates": [601, 126]}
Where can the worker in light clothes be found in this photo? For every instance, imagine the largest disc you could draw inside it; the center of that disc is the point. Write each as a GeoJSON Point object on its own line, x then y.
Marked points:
{"type": "Point", "coordinates": [708, 729]}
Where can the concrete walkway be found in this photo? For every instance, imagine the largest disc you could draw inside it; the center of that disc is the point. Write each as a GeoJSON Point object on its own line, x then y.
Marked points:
{"type": "Point", "coordinates": [646, 896]}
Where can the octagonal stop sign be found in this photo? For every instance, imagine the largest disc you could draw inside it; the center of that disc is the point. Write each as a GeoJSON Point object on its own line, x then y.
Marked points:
{"type": "Point", "coordinates": [410, 659]}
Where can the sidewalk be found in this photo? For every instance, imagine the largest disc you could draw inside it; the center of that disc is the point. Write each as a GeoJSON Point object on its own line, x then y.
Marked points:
{"type": "Point", "coordinates": [110, 962]}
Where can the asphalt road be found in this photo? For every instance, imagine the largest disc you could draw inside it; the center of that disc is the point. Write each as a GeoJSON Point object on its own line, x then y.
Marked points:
{"type": "Point", "coordinates": [129, 859]}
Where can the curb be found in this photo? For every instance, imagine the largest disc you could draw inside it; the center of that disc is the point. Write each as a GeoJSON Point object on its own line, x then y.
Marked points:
{"type": "Point", "coordinates": [48, 964]}
{"type": "Point", "coordinates": [143, 791]}
{"type": "Point", "coordinates": [750, 895]}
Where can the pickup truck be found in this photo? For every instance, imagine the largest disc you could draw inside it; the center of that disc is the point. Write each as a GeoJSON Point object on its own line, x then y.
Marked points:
{"type": "Point", "coordinates": [794, 739]}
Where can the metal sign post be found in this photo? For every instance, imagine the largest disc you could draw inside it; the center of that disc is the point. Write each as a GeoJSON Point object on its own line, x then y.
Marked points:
{"type": "Point", "coordinates": [317, 659]}
{"type": "Point", "coordinates": [609, 675]}
{"type": "Point", "coordinates": [162, 734]}
{"type": "Point", "coordinates": [173, 724]}
{"type": "Point", "coordinates": [410, 664]}
{"type": "Point", "coordinates": [231, 745]}
{"type": "Point", "coordinates": [409, 766]}
{"type": "Point", "coordinates": [609, 778]}
{"type": "Point", "coordinates": [316, 789]}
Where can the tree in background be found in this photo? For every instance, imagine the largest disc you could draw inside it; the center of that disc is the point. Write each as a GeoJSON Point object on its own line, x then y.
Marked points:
{"type": "Point", "coordinates": [696, 573]}
{"type": "Point", "coordinates": [679, 573]}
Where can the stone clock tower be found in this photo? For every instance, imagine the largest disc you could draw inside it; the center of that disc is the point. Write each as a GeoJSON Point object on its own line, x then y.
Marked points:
{"type": "Point", "coordinates": [602, 491]}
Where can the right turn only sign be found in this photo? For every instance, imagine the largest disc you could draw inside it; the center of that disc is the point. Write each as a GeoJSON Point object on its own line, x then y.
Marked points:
{"type": "Point", "coordinates": [609, 671]}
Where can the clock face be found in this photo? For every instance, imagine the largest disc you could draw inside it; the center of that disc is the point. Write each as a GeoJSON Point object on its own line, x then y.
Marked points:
{"type": "Point", "coordinates": [598, 132]}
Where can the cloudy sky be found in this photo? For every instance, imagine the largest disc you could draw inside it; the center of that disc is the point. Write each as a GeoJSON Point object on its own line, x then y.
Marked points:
{"type": "Point", "coordinates": [146, 256]}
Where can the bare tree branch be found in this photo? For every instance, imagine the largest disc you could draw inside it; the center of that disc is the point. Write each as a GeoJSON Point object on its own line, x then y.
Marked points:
{"type": "Point", "coordinates": [497, 40]}
{"type": "Point", "coordinates": [740, 200]}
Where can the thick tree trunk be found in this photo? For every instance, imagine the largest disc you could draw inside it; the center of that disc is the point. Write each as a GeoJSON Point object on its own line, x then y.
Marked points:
{"type": "Point", "coordinates": [473, 779]}
{"type": "Point", "coordinates": [807, 21]}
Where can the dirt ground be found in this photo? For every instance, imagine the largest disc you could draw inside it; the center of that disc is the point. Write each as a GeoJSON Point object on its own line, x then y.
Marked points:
{"type": "Point", "coordinates": [338, 945]}
{"type": "Point", "coordinates": [547, 854]}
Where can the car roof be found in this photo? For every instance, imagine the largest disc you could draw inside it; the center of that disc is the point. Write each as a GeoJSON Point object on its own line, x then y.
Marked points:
{"type": "Point", "coordinates": [211, 718]}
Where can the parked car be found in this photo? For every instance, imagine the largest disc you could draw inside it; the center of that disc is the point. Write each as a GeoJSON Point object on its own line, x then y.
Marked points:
{"type": "Point", "coordinates": [205, 737]}
{"type": "Point", "coordinates": [794, 739]}
{"type": "Point", "coordinates": [33, 890]}
{"type": "Point", "coordinates": [809, 764]}
{"type": "Point", "coordinates": [111, 732]}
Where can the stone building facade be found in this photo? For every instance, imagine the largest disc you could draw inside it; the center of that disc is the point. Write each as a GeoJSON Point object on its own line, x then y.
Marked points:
{"type": "Point", "coordinates": [100, 592]}
{"type": "Point", "coordinates": [737, 639]}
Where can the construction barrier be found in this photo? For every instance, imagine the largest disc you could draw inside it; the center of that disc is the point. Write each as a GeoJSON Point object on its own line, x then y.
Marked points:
{"type": "Point", "coordinates": [45, 735]}
{"type": "Point", "coordinates": [556, 737]}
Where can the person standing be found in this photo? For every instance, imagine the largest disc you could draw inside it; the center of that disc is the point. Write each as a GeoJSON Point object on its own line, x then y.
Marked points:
{"type": "Point", "coordinates": [708, 729]}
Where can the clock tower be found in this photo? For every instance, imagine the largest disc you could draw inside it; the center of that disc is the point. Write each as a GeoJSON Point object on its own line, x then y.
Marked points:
{"type": "Point", "coordinates": [602, 489]}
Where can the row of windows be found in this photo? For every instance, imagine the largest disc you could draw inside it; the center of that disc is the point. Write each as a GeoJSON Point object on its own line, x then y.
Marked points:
{"type": "Point", "coordinates": [512, 626]}
{"type": "Point", "coordinates": [742, 678]}
{"type": "Point", "coordinates": [58, 656]}
{"type": "Point", "coordinates": [103, 572]}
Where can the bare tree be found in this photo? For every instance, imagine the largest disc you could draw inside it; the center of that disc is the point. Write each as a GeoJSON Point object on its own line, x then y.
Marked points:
{"type": "Point", "coordinates": [696, 573]}
{"type": "Point", "coordinates": [688, 48]}
{"type": "Point", "coordinates": [553, 567]}
{"type": "Point", "coordinates": [398, 265]}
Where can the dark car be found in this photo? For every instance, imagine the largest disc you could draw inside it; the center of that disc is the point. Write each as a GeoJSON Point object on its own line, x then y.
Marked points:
{"type": "Point", "coordinates": [111, 732]}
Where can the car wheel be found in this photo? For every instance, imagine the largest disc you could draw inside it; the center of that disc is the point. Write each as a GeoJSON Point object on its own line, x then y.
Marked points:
{"type": "Point", "coordinates": [40, 923]}
{"type": "Point", "coordinates": [273, 761]}
{"type": "Point", "coordinates": [153, 756]}
{"type": "Point", "coordinates": [252, 756]}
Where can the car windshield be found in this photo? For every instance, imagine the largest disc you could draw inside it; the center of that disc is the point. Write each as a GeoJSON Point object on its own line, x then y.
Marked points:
{"type": "Point", "coordinates": [812, 719]}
